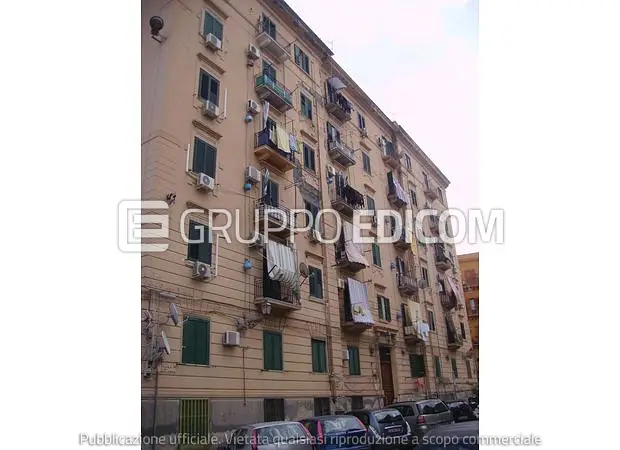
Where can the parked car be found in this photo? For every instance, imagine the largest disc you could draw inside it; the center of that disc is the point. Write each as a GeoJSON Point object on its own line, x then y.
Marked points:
{"type": "Point", "coordinates": [458, 436]}
{"type": "Point", "coordinates": [387, 428]}
{"type": "Point", "coordinates": [337, 432]}
{"type": "Point", "coordinates": [270, 436]}
{"type": "Point", "coordinates": [422, 415]}
{"type": "Point", "coordinates": [461, 411]}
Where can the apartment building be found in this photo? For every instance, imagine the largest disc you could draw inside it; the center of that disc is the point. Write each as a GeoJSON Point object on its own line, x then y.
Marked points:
{"type": "Point", "coordinates": [469, 274]}
{"type": "Point", "coordinates": [245, 109]}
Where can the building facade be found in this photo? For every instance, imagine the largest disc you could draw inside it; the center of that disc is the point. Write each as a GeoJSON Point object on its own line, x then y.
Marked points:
{"type": "Point", "coordinates": [469, 274]}
{"type": "Point", "coordinates": [244, 109]}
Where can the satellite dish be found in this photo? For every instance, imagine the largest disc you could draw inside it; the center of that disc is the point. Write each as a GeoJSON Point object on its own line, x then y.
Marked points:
{"type": "Point", "coordinates": [174, 313]}
{"type": "Point", "coordinates": [303, 269]}
{"type": "Point", "coordinates": [165, 343]}
{"type": "Point", "coordinates": [148, 317]}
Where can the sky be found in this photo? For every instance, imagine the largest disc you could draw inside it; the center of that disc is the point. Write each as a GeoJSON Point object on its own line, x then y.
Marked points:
{"type": "Point", "coordinates": [417, 60]}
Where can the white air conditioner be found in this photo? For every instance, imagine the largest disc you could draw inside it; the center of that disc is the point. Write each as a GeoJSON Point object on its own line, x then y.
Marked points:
{"type": "Point", "coordinates": [259, 242]}
{"type": "Point", "coordinates": [253, 107]}
{"type": "Point", "coordinates": [205, 182]}
{"type": "Point", "coordinates": [213, 42]}
{"type": "Point", "coordinates": [231, 338]}
{"type": "Point", "coordinates": [210, 109]}
{"type": "Point", "coordinates": [202, 271]}
{"type": "Point", "coordinates": [341, 283]}
{"type": "Point", "coordinates": [364, 132]}
{"type": "Point", "coordinates": [252, 175]}
{"type": "Point", "coordinates": [345, 355]}
{"type": "Point", "coordinates": [253, 52]}
{"type": "Point", "coordinates": [315, 236]}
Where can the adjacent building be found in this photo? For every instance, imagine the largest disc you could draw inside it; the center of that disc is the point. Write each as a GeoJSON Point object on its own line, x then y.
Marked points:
{"type": "Point", "coordinates": [245, 109]}
{"type": "Point", "coordinates": [469, 274]}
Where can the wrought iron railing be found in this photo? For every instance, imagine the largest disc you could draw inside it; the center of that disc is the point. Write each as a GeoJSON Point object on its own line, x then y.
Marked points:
{"type": "Point", "coordinates": [275, 86]}
{"type": "Point", "coordinates": [264, 138]}
{"type": "Point", "coordinates": [265, 26]}
{"type": "Point", "coordinates": [265, 287]}
{"type": "Point", "coordinates": [337, 98]}
{"type": "Point", "coordinates": [331, 144]}
{"type": "Point", "coordinates": [275, 210]}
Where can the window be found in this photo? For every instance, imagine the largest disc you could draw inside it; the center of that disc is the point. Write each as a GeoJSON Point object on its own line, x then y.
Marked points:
{"type": "Point", "coordinates": [316, 282]}
{"type": "Point", "coordinates": [376, 255]}
{"type": "Point", "coordinates": [196, 341]}
{"type": "Point", "coordinates": [212, 25]}
{"type": "Point", "coordinates": [437, 367]}
{"type": "Point", "coordinates": [205, 157]}
{"type": "Point", "coordinates": [194, 417]}
{"type": "Point", "coordinates": [416, 362]}
{"type": "Point", "coordinates": [431, 320]}
{"type": "Point", "coordinates": [306, 106]}
{"type": "Point", "coordinates": [414, 197]}
{"type": "Point", "coordinates": [269, 27]}
{"type": "Point", "coordinates": [272, 350]}
{"type": "Point", "coordinates": [302, 60]}
{"type": "Point", "coordinates": [366, 163]}
{"type": "Point", "coordinates": [319, 356]}
{"type": "Point", "coordinates": [407, 161]}
{"type": "Point", "coordinates": [208, 88]}
{"type": "Point", "coordinates": [440, 194]}
{"type": "Point", "coordinates": [361, 121]}
{"type": "Point", "coordinates": [269, 70]}
{"type": "Point", "coordinates": [425, 179]}
{"type": "Point", "coordinates": [333, 135]}
{"type": "Point", "coordinates": [371, 203]}
{"type": "Point", "coordinates": [272, 198]}
{"type": "Point", "coordinates": [463, 334]}
{"type": "Point", "coordinates": [384, 308]}
{"type": "Point", "coordinates": [473, 305]}
{"type": "Point", "coordinates": [455, 371]}
{"type": "Point", "coordinates": [321, 406]}
{"type": "Point", "coordinates": [354, 361]}
{"type": "Point", "coordinates": [273, 409]}
{"type": "Point", "coordinates": [314, 211]}
{"type": "Point", "coordinates": [357, 402]}
{"type": "Point", "coordinates": [468, 368]}
{"type": "Point", "coordinates": [199, 246]}
{"type": "Point", "coordinates": [425, 276]}
{"type": "Point", "coordinates": [309, 161]}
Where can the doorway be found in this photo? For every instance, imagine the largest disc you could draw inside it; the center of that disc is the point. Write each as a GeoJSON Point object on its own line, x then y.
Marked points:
{"type": "Point", "coordinates": [386, 375]}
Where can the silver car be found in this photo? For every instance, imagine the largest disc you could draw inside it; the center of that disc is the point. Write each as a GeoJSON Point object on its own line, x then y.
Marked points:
{"type": "Point", "coordinates": [271, 436]}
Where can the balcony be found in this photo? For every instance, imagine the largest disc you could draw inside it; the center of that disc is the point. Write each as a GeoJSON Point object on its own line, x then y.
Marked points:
{"type": "Point", "coordinates": [277, 215]}
{"type": "Point", "coordinates": [269, 41]}
{"type": "Point", "coordinates": [342, 261]}
{"type": "Point", "coordinates": [454, 343]}
{"type": "Point", "coordinates": [282, 299]}
{"type": "Point", "coordinates": [389, 154]}
{"type": "Point", "coordinates": [411, 334]}
{"type": "Point", "coordinates": [337, 105]}
{"type": "Point", "coordinates": [434, 224]}
{"type": "Point", "coordinates": [448, 300]}
{"type": "Point", "coordinates": [344, 198]}
{"type": "Point", "coordinates": [266, 150]}
{"type": "Point", "coordinates": [442, 262]}
{"type": "Point", "coordinates": [274, 92]}
{"type": "Point", "coordinates": [430, 192]}
{"type": "Point", "coordinates": [402, 243]}
{"type": "Point", "coordinates": [346, 320]}
{"type": "Point", "coordinates": [340, 153]}
{"type": "Point", "coordinates": [406, 284]}
{"type": "Point", "coordinates": [394, 198]}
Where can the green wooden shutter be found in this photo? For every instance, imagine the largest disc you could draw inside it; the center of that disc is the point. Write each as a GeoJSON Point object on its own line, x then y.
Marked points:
{"type": "Point", "coordinates": [194, 234]}
{"type": "Point", "coordinates": [319, 360]}
{"type": "Point", "coordinates": [354, 361]}
{"type": "Point", "coordinates": [205, 248]}
{"type": "Point", "coordinates": [196, 341]}
{"type": "Point", "coordinates": [218, 29]}
{"type": "Point", "coordinates": [388, 312]}
{"type": "Point", "coordinates": [454, 368]}
{"type": "Point", "coordinates": [214, 91]}
{"type": "Point", "coordinates": [200, 156]}
{"type": "Point", "coordinates": [297, 55]}
{"type": "Point", "coordinates": [437, 367]}
{"type": "Point", "coordinates": [209, 24]}
{"type": "Point", "coordinates": [202, 341]}
{"type": "Point", "coordinates": [203, 85]}
{"type": "Point", "coordinates": [189, 331]}
{"type": "Point", "coordinates": [416, 363]}
{"type": "Point", "coordinates": [272, 350]}
{"type": "Point", "coordinates": [210, 160]}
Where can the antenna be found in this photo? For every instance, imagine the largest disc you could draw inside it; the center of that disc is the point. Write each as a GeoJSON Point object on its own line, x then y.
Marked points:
{"type": "Point", "coordinates": [174, 314]}
{"type": "Point", "coordinates": [165, 344]}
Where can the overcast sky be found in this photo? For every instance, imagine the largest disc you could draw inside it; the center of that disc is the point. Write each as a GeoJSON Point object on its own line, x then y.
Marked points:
{"type": "Point", "coordinates": [417, 60]}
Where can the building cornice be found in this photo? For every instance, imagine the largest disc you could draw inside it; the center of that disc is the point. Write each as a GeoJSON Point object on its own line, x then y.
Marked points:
{"type": "Point", "coordinates": [428, 163]}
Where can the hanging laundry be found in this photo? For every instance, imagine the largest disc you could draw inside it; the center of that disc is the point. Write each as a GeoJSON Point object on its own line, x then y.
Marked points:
{"type": "Point", "coordinates": [283, 139]}
{"type": "Point", "coordinates": [292, 142]}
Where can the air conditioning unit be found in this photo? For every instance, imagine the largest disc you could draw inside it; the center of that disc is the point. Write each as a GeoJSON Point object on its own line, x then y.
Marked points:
{"type": "Point", "coordinates": [364, 132]}
{"type": "Point", "coordinates": [315, 236]}
{"type": "Point", "coordinates": [259, 242]}
{"type": "Point", "coordinates": [253, 107]}
{"type": "Point", "coordinates": [341, 283]}
{"type": "Point", "coordinates": [231, 338]}
{"type": "Point", "coordinates": [205, 182]}
{"type": "Point", "coordinates": [345, 355]}
{"type": "Point", "coordinates": [252, 175]}
{"type": "Point", "coordinates": [202, 271]}
{"type": "Point", "coordinates": [213, 42]}
{"type": "Point", "coordinates": [210, 109]}
{"type": "Point", "coordinates": [253, 52]}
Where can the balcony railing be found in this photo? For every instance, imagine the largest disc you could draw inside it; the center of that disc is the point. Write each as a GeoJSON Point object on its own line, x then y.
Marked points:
{"type": "Point", "coordinates": [442, 262]}
{"type": "Point", "coordinates": [341, 153]}
{"type": "Point", "coordinates": [434, 224]}
{"type": "Point", "coordinates": [279, 296]}
{"type": "Point", "coordinates": [407, 284]}
{"type": "Point", "coordinates": [274, 92]}
{"type": "Point", "coordinates": [269, 40]}
{"type": "Point", "coordinates": [277, 215]}
{"type": "Point", "coordinates": [346, 319]}
{"type": "Point", "coordinates": [393, 197]}
{"type": "Point", "coordinates": [337, 105]}
{"type": "Point", "coordinates": [402, 241]}
{"type": "Point", "coordinates": [345, 198]}
{"type": "Point", "coordinates": [430, 192]}
{"type": "Point", "coordinates": [343, 262]}
{"type": "Point", "coordinates": [267, 150]}
{"type": "Point", "coordinates": [389, 154]}
{"type": "Point", "coordinates": [411, 333]}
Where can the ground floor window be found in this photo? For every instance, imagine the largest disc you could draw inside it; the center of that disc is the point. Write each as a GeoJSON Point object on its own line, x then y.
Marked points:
{"type": "Point", "coordinates": [321, 406]}
{"type": "Point", "coordinates": [273, 409]}
{"type": "Point", "coordinates": [194, 418]}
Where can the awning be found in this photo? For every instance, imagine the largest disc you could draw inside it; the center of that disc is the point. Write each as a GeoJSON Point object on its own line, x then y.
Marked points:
{"type": "Point", "coordinates": [400, 192]}
{"type": "Point", "coordinates": [281, 263]}
{"type": "Point", "coordinates": [358, 294]}
{"type": "Point", "coordinates": [354, 251]}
